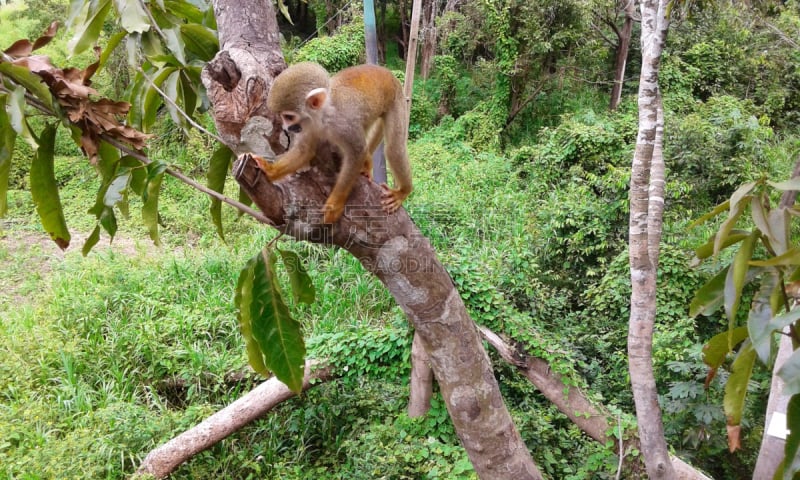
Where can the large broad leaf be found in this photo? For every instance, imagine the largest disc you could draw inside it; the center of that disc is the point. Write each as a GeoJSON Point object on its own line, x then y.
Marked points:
{"type": "Point", "coordinates": [736, 391]}
{"type": "Point", "coordinates": [707, 249]}
{"type": "Point", "coordinates": [33, 83]}
{"type": "Point", "coordinates": [7, 138]}
{"type": "Point", "coordinates": [183, 9]}
{"type": "Point", "coordinates": [44, 189]}
{"type": "Point", "coordinates": [243, 299]}
{"type": "Point", "coordinates": [793, 184]}
{"type": "Point", "coordinates": [91, 241]}
{"type": "Point", "coordinates": [790, 258]}
{"type": "Point", "coordinates": [737, 275]}
{"type": "Point", "coordinates": [278, 334]}
{"type": "Point", "coordinates": [217, 173]}
{"type": "Point", "coordinates": [174, 42]}
{"type": "Point", "coordinates": [758, 320]}
{"type": "Point", "coordinates": [153, 99]}
{"type": "Point", "coordinates": [792, 448]}
{"type": "Point", "coordinates": [132, 16]}
{"type": "Point", "coordinates": [89, 30]}
{"type": "Point", "coordinates": [200, 41]}
{"type": "Point", "coordinates": [302, 287]}
{"type": "Point", "coordinates": [152, 190]}
{"type": "Point", "coordinates": [716, 350]}
{"type": "Point", "coordinates": [710, 296]}
{"type": "Point", "coordinates": [790, 373]}
{"type": "Point", "coordinates": [713, 213]}
{"type": "Point", "coordinates": [726, 227]}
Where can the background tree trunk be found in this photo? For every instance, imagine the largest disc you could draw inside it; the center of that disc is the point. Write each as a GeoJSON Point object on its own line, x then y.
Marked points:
{"type": "Point", "coordinates": [621, 58]}
{"type": "Point", "coordinates": [430, 11]}
{"type": "Point", "coordinates": [389, 246]}
{"type": "Point", "coordinates": [643, 249]}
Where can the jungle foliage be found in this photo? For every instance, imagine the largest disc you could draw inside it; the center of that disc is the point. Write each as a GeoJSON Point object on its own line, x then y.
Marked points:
{"type": "Point", "coordinates": [521, 181]}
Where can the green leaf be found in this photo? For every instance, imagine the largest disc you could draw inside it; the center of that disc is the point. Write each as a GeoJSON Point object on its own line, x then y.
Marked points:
{"type": "Point", "coordinates": [737, 275]}
{"type": "Point", "coordinates": [111, 45]}
{"type": "Point", "coordinates": [109, 221]}
{"type": "Point", "coordinates": [16, 112]}
{"type": "Point", "coordinates": [199, 41]}
{"type": "Point", "coordinates": [7, 139]}
{"type": "Point", "coordinates": [175, 43]}
{"type": "Point", "coordinates": [189, 95]}
{"type": "Point", "coordinates": [791, 257]}
{"type": "Point", "coordinates": [718, 347]}
{"type": "Point", "coordinates": [31, 82]}
{"type": "Point", "coordinates": [91, 241]}
{"type": "Point", "coordinates": [152, 99]}
{"type": "Point", "coordinates": [736, 386]}
{"type": "Point", "coordinates": [727, 226]}
{"type": "Point", "coordinates": [302, 286]}
{"type": "Point", "coordinates": [707, 249]}
{"type": "Point", "coordinates": [132, 16]}
{"type": "Point", "coordinates": [710, 296]}
{"type": "Point", "coordinates": [758, 320]}
{"type": "Point", "coordinates": [88, 32]}
{"type": "Point", "coordinates": [172, 87]}
{"type": "Point", "coordinates": [713, 213]}
{"type": "Point", "coordinates": [44, 189]}
{"type": "Point", "coordinates": [217, 173]}
{"type": "Point", "coordinates": [183, 9]}
{"type": "Point", "coordinates": [792, 447]}
{"type": "Point", "coordinates": [790, 373]}
{"type": "Point", "coordinates": [793, 184]}
{"type": "Point", "coordinates": [778, 220]}
{"type": "Point", "coordinates": [277, 333]}
{"type": "Point", "coordinates": [243, 299]}
{"type": "Point", "coordinates": [155, 173]}
{"type": "Point", "coordinates": [741, 194]}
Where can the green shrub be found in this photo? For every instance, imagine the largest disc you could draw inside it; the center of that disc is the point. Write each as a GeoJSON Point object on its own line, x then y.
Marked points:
{"type": "Point", "coordinates": [335, 52]}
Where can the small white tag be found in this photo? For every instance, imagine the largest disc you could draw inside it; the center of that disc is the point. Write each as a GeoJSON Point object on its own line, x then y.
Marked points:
{"type": "Point", "coordinates": [777, 426]}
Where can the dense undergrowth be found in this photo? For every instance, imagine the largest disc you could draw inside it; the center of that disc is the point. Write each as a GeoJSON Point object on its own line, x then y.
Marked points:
{"type": "Point", "coordinates": [104, 357]}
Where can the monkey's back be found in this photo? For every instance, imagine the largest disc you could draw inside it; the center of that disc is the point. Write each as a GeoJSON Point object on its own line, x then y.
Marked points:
{"type": "Point", "coordinates": [370, 90]}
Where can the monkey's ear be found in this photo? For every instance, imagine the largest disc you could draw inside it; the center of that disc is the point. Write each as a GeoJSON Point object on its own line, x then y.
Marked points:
{"type": "Point", "coordinates": [316, 98]}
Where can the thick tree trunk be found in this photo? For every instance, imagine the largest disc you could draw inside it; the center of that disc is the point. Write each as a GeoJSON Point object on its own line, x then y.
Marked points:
{"type": "Point", "coordinates": [643, 266]}
{"type": "Point", "coordinates": [389, 246]}
{"type": "Point", "coordinates": [421, 383]}
{"type": "Point", "coordinates": [621, 58]}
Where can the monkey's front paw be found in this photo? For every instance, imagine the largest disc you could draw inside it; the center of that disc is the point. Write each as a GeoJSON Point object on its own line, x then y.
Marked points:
{"type": "Point", "coordinates": [332, 213]}
{"type": "Point", "coordinates": [264, 165]}
{"type": "Point", "coordinates": [392, 199]}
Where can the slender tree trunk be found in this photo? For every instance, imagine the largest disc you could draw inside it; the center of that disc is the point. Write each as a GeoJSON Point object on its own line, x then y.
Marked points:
{"type": "Point", "coordinates": [391, 247]}
{"type": "Point", "coordinates": [643, 266]}
{"type": "Point", "coordinates": [622, 53]}
{"type": "Point", "coordinates": [429, 36]}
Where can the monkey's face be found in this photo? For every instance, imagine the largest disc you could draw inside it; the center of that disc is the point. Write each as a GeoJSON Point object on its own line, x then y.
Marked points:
{"type": "Point", "coordinates": [292, 121]}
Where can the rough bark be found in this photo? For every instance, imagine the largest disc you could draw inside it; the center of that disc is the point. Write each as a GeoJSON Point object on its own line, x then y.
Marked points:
{"type": "Point", "coordinates": [391, 247]}
{"type": "Point", "coordinates": [594, 420]}
{"type": "Point", "coordinates": [421, 383]}
{"type": "Point", "coordinates": [429, 36]}
{"type": "Point", "coordinates": [643, 268]}
{"type": "Point", "coordinates": [163, 460]}
{"type": "Point", "coordinates": [621, 58]}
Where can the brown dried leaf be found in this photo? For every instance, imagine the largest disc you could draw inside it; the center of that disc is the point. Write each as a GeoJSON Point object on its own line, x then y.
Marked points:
{"type": "Point", "coordinates": [20, 48]}
{"type": "Point", "coordinates": [48, 35]}
{"type": "Point", "coordinates": [35, 63]}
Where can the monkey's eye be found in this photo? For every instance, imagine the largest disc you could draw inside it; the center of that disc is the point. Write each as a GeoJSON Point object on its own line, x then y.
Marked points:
{"type": "Point", "coordinates": [289, 117]}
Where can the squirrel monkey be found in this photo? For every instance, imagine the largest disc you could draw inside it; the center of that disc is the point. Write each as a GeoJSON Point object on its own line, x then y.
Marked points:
{"type": "Point", "coordinates": [354, 110]}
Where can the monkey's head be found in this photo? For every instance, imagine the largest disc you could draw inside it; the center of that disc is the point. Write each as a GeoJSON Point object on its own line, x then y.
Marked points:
{"type": "Point", "coordinates": [298, 94]}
